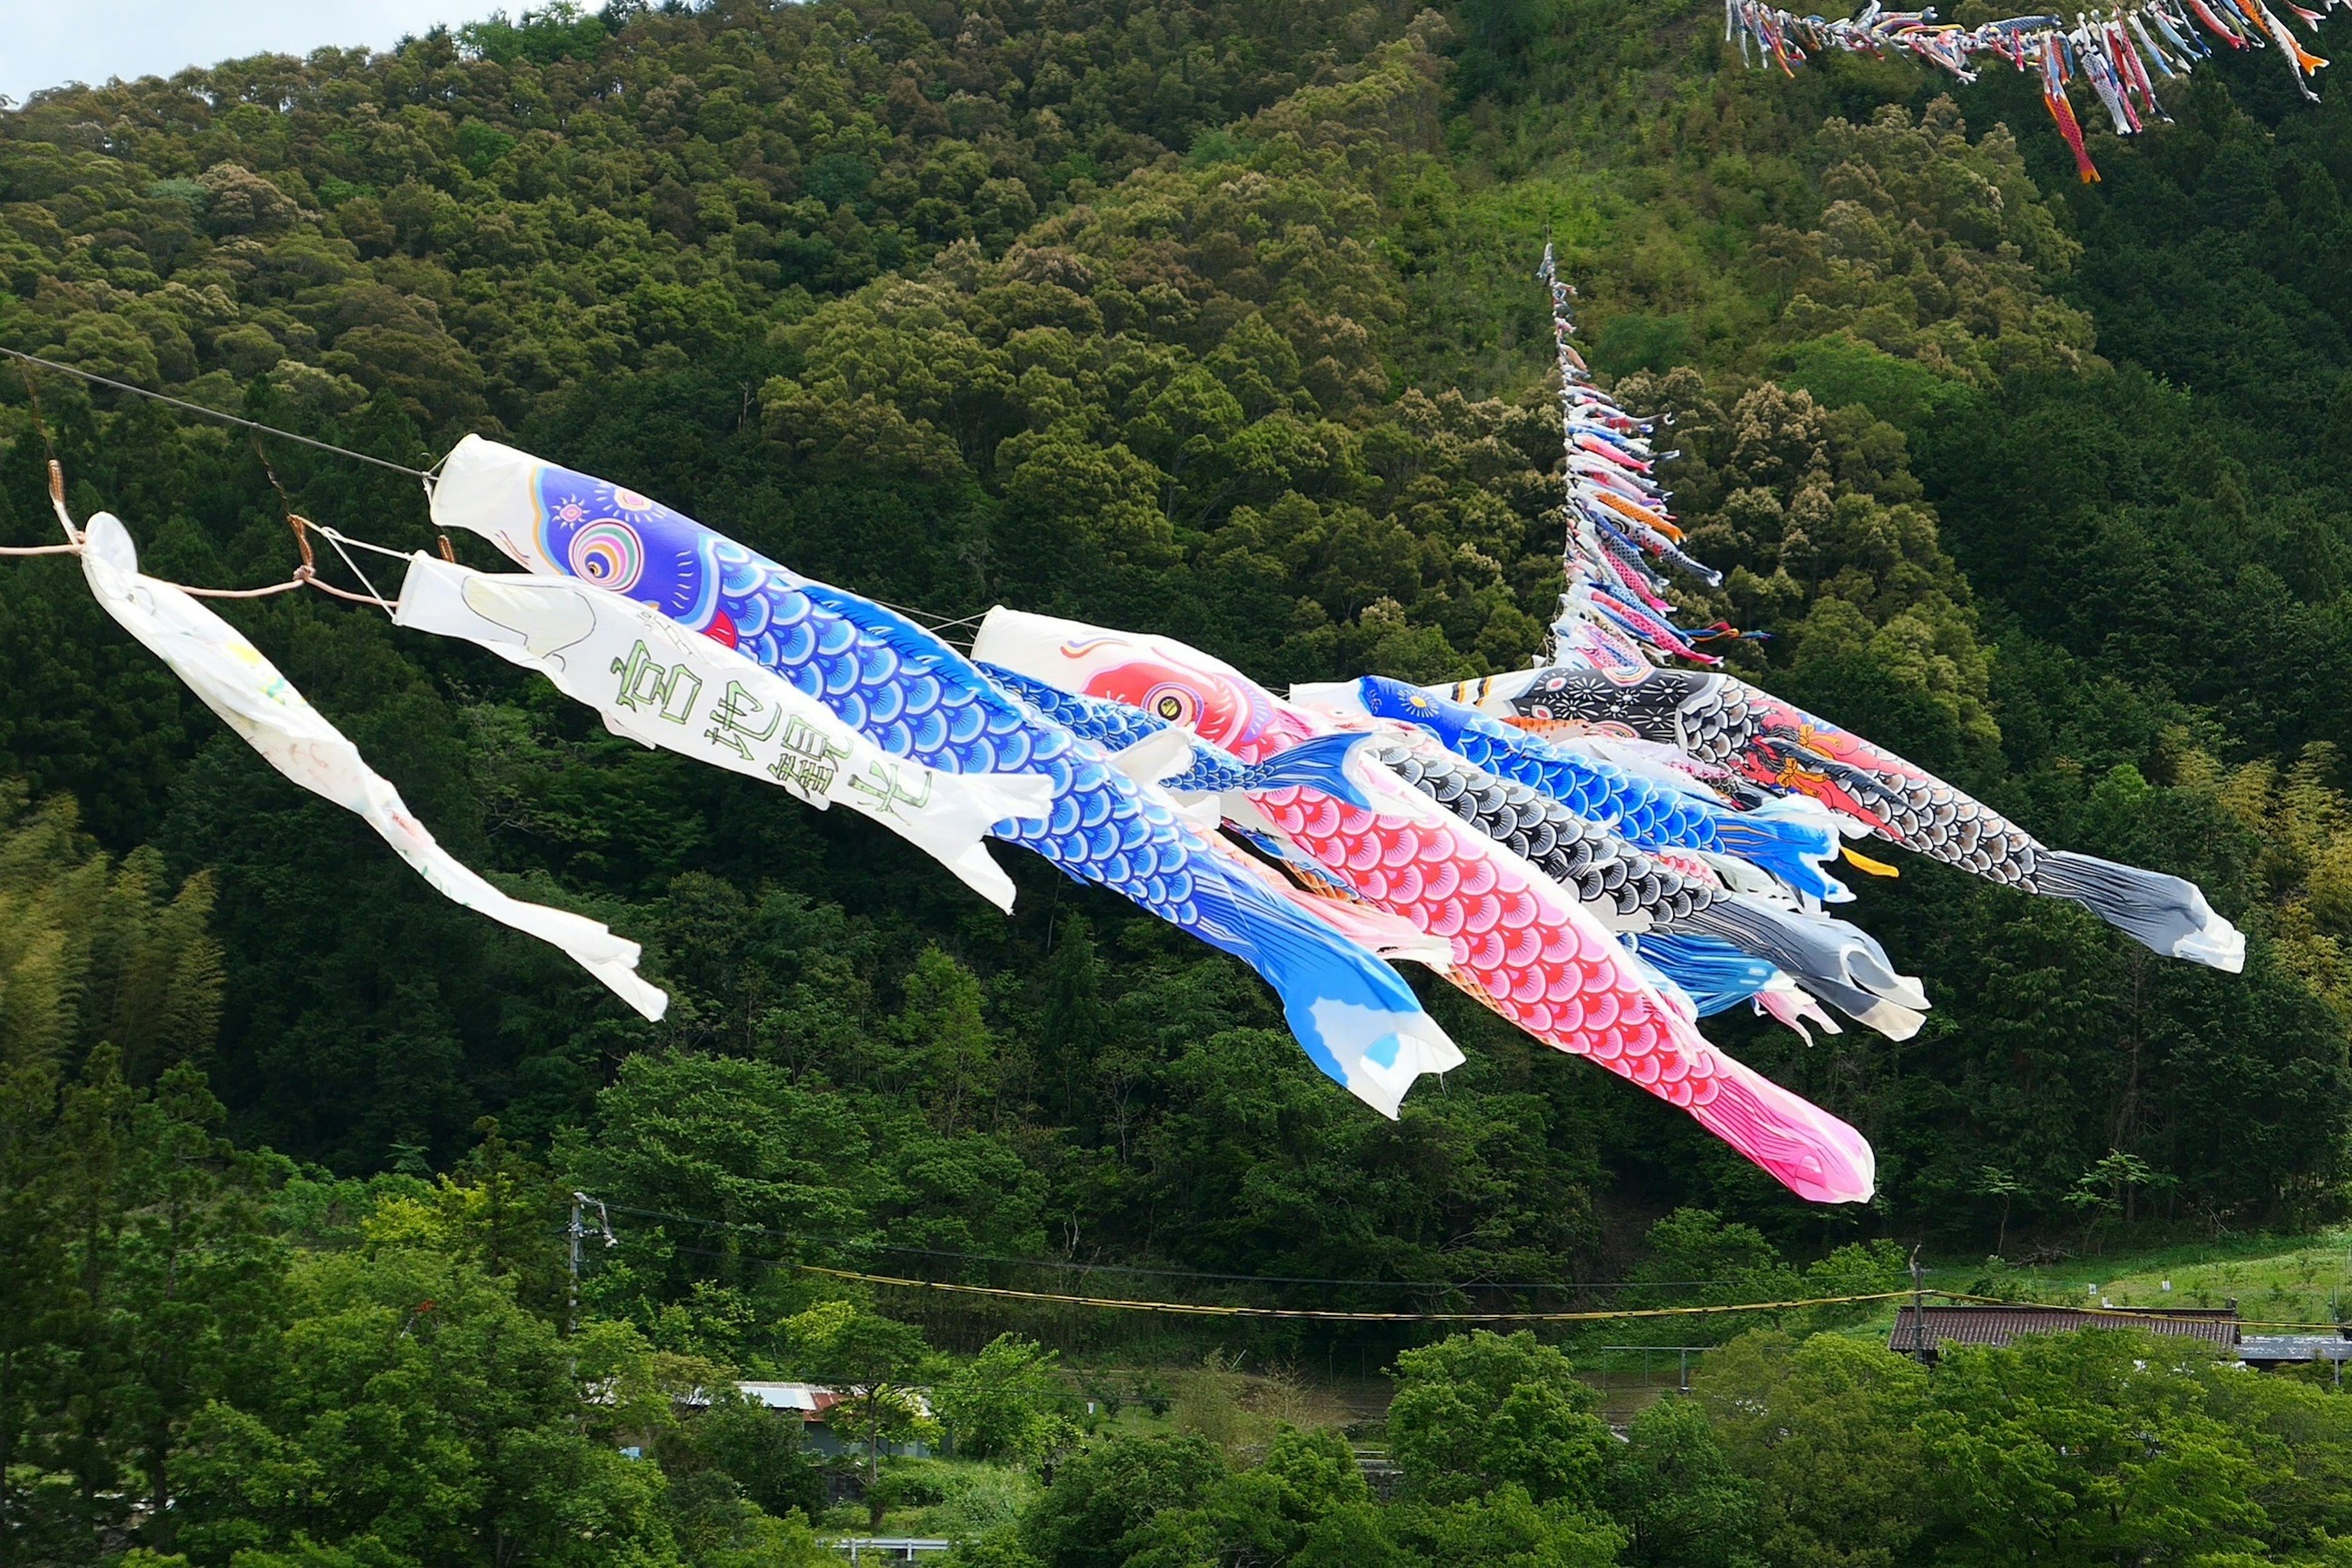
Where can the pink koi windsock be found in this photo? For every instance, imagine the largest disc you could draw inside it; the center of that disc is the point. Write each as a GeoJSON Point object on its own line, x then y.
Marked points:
{"type": "Point", "coordinates": [1520, 942]}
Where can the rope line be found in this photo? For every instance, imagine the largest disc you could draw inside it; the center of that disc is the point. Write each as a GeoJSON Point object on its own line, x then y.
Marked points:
{"type": "Point", "coordinates": [1198, 1310]}
{"type": "Point", "coordinates": [747, 1228]}
{"type": "Point", "coordinates": [286, 587]}
{"type": "Point", "coordinates": [378, 600]}
{"type": "Point", "coordinates": [305, 576]}
{"type": "Point", "coordinates": [213, 413]}
{"type": "Point", "coordinates": [1309, 1314]}
{"type": "Point", "coordinates": [336, 536]}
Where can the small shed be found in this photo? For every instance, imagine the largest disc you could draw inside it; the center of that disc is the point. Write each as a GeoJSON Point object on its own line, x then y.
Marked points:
{"type": "Point", "coordinates": [1924, 1331]}
{"type": "Point", "coordinates": [815, 1405]}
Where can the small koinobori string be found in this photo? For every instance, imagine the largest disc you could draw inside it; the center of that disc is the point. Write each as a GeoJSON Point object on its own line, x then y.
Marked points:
{"type": "Point", "coordinates": [2120, 53]}
{"type": "Point", "coordinates": [215, 414]}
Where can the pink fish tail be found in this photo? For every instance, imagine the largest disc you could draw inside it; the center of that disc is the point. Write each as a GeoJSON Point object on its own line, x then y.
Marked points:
{"type": "Point", "coordinates": [1807, 1150]}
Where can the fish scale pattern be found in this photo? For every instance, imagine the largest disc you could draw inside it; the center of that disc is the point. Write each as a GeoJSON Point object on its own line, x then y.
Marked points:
{"type": "Point", "coordinates": [1651, 815]}
{"type": "Point", "coordinates": [1599, 866]}
{"type": "Point", "coordinates": [1726, 722]}
{"type": "Point", "coordinates": [1559, 976]}
{"type": "Point", "coordinates": [1548, 967]}
{"type": "Point", "coordinates": [1595, 864]}
{"type": "Point", "coordinates": [1118, 726]}
{"type": "Point", "coordinates": [916, 697]}
{"type": "Point", "coordinates": [1114, 725]}
{"type": "Point", "coordinates": [1913, 808]}
{"type": "Point", "coordinates": [1654, 818]}
{"type": "Point", "coordinates": [885, 675]}
{"type": "Point", "coordinates": [1516, 939]}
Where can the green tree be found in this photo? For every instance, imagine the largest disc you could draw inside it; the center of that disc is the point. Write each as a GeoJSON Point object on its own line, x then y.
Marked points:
{"type": "Point", "coordinates": [1105, 1494]}
{"type": "Point", "coordinates": [410, 1408]}
{"type": "Point", "coordinates": [732, 1144]}
{"type": "Point", "coordinates": [1506, 1526]}
{"type": "Point", "coordinates": [1677, 1495]}
{"type": "Point", "coordinates": [1826, 1432]}
{"type": "Point", "coordinates": [951, 1061]}
{"type": "Point", "coordinates": [1478, 1411]}
{"type": "Point", "coordinates": [759, 1451]}
{"type": "Point", "coordinates": [1003, 1402]}
{"type": "Point", "coordinates": [2096, 1445]}
{"type": "Point", "coordinates": [872, 1360]}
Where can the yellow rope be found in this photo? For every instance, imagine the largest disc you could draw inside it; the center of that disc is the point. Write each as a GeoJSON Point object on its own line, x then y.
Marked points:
{"type": "Point", "coordinates": [1198, 1310]}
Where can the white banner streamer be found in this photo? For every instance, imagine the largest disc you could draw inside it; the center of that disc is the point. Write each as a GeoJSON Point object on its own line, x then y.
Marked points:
{"type": "Point", "coordinates": [259, 703]}
{"type": "Point", "coordinates": [661, 685]}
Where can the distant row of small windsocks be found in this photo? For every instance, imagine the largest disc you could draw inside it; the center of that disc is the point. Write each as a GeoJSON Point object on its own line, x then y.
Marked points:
{"type": "Point", "coordinates": [2119, 54]}
{"type": "Point", "coordinates": [1601, 856]}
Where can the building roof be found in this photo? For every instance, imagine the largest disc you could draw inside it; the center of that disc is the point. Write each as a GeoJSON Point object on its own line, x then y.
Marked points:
{"type": "Point", "coordinates": [1993, 1325]}
{"type": "Point", "coordinates": [807, 1398]}
{"type": "Point", "coordinates": [812, 1401]}
{"type": "Point", "coordinates": [2294, 1347]}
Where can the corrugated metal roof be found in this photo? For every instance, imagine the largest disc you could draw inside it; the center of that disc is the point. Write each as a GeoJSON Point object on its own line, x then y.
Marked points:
{"type": "Point", "coordinates": [2294, 1347]}
{"type": "Point", "coordinates": [800, 1396]}
{"type": "Point", "coordinates": [1968, 1325]}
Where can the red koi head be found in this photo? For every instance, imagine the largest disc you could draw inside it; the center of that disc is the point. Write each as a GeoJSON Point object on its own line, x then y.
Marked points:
{"type": "Point", "coordinates": [1175, 684]}
{"type": "Point", "coordinates": [1225, 709]}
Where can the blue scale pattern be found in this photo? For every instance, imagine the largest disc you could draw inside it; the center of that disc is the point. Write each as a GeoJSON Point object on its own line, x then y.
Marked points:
{"type": "Point", "coordinates": [1651, 815]}
{"type": "Point", "coordinates": [916, 697]}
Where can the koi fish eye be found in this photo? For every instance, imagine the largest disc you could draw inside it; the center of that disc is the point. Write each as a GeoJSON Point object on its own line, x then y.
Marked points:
{"type": "Point", "coordinates": [1172, 703]}
{"type": "Point", "coordinates": [609, 555]}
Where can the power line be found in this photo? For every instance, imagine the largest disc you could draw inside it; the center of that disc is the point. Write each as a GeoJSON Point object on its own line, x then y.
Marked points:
{"type": "Point", "coordinates": [1303, 1314]}
{"type": "Point", "coordinates": [213, 413]}
{"type": "Point", "coordinates": [1310, 1314]}
{"type": "Point", "coordinates": [747, 1228]}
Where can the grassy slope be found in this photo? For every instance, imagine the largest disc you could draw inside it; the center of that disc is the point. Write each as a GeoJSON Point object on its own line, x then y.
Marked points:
{"type": "Point", "coordinates": [2302, 1280]}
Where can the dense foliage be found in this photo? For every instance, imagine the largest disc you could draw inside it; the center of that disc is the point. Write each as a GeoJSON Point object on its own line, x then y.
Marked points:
{"type": "Point", "coordinates": [1202, 317]}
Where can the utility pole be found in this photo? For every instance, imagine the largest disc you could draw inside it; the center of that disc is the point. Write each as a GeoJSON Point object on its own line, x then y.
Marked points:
{"type": "Point", "coordinates": [1919, 1307]}
{"type": "Point", "coordinates": [578, 1228]}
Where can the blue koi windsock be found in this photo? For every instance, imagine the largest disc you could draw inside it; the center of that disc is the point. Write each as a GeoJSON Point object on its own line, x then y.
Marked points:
{"type": "Point", "coordinates": [916, 697]}
{"type": "Point", "coordinates": [1790, 844]}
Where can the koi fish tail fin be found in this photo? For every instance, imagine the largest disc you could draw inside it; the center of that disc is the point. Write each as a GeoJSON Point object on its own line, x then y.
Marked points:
{"type": "Point", "coordinates": [1811, 1153]}
{"type": "Point", "coordinates": [1359, 1021]}
{"type": "Point", "coordinates": [1319, 764]}
{"type": "Point", "coordinates": [1809, 947]}
{"type": "Point", "coordinates": [2165, 913]}
{"type": "Point", "coordinates": [1714, 973]}
{"type": "Point", "coordinates": [1791, 839]}
{"type": "Point", "coordinates": [1891, 1019]}
{"type": "Point", "coordinates": [954, 825]}
{"type": "Point", "coordinates": [1795, 1009]}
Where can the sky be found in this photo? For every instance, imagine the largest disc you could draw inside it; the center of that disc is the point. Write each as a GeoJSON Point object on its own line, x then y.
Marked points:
{"type": "Point", "coordinates": [44, 43]}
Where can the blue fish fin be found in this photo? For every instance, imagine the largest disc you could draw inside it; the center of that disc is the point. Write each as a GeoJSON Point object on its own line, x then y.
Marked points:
{"type": "Point", "coordinates": [1790, 844]}
{"type": "Point", "coordinates": [1318, 765]}
{"type": "Point", "coordinates": [1361, 1024]}
{"type": "Point", "coordinates": [1715, 974]}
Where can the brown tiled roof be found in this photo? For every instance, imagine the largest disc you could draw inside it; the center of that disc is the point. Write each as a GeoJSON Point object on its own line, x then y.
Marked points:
{"type": "Point", "coordinates": [1967, 1325]}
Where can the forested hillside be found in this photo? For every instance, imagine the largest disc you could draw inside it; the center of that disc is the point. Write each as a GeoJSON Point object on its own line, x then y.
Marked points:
{"type": "Point", "coordinates": [1205, 318]}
